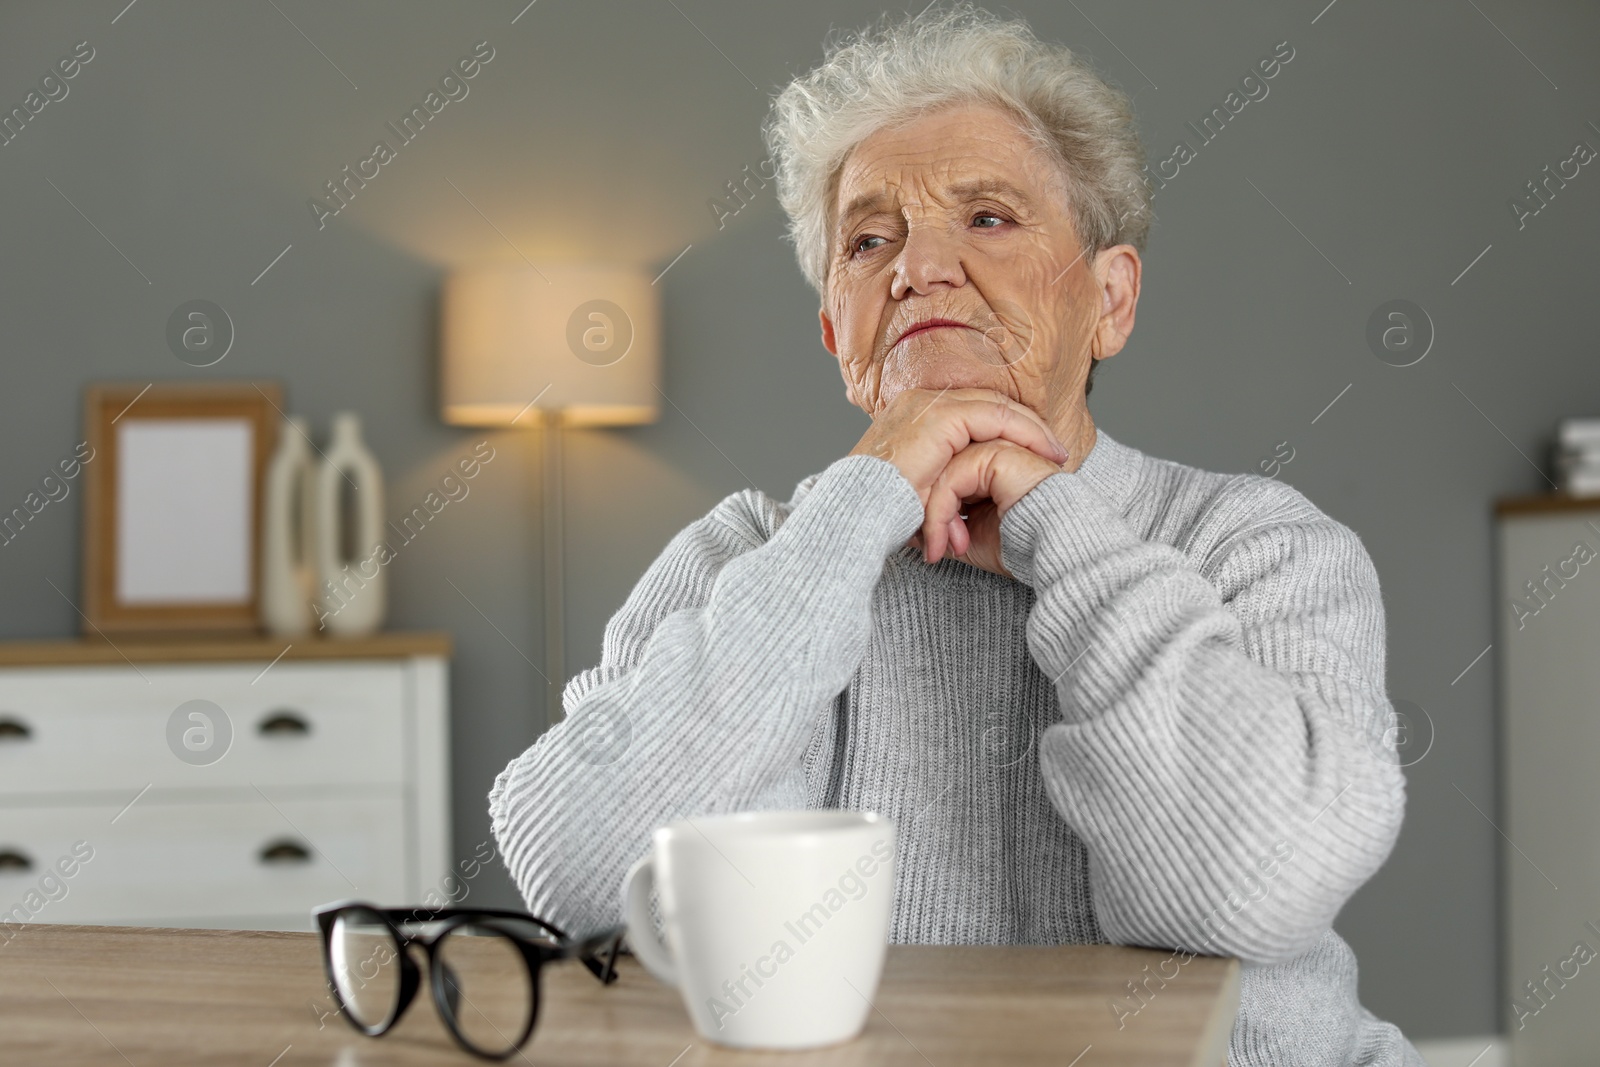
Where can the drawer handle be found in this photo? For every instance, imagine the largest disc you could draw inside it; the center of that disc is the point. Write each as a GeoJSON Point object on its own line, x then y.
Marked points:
{"type": "Point", "coordinates": [12, 861]}
{"type": "Point", "coordinates": [14, 730]}
{"type": "Point", "coordinates": [284, 852]}
{"type": "Point", "coordinates": [284, 724]}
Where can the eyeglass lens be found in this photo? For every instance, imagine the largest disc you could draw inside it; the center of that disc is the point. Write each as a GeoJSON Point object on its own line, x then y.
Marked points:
{"type": "Point", "coordinates": [487, 986]}
{"type": "Point", "coordinates": [366, 966]}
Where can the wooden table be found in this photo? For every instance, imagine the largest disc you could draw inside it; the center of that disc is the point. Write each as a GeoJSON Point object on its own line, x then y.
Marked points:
{"type": "Point", "coordinates": [73, 995]}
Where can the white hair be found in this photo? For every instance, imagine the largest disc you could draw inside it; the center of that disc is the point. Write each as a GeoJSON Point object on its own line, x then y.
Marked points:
{"type": "Point", "coordinates": [890, 73]}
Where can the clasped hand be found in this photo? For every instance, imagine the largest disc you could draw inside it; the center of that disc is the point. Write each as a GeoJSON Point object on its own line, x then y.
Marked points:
{"type": "Point", "coordinates": [970, 454]}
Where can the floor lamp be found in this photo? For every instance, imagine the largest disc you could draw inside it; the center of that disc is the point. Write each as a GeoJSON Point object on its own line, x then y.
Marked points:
{"type": "Point", "coordinates": [553, 346]}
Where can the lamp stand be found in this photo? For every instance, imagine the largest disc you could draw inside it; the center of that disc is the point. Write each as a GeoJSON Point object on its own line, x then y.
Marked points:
{"type": "Point", "coordinates": [554, 599]}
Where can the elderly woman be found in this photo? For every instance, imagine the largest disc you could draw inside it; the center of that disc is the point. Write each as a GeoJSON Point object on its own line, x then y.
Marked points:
{"type": "Point", "coordinates": [1107, 697]}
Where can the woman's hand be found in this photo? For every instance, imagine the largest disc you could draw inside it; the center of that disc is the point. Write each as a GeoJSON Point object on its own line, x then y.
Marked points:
{"type": "Point", "coordinates": [1007, 450]}
{"type": "Point", "coordinates": [990, 476]}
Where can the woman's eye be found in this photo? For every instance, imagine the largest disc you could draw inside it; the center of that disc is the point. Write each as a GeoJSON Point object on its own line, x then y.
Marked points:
{"type": "Point", "coordinates": [987, 221]}
{"type": "Point", "coordinates": [863, 244]}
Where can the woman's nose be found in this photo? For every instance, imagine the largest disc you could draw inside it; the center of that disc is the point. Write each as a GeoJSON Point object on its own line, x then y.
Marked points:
{"type": "Point", "coordinates": [930, 257]}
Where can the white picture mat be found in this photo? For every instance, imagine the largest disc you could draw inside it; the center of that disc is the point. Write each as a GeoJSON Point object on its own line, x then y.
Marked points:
{"type": "Point", "coordinates": [184, 510]}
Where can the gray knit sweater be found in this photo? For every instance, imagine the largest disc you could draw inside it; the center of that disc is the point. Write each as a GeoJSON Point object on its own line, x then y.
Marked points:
{"type": "Point", "coordinates": [1167, 731]}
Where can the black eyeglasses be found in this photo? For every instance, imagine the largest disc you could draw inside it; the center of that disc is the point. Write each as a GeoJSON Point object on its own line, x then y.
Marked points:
{"type": "Point", "coordinates": [483, 966]}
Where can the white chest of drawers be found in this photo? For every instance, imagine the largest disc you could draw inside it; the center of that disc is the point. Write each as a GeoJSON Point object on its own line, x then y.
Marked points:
{"type": "Point", "coordinates": [334, 782]}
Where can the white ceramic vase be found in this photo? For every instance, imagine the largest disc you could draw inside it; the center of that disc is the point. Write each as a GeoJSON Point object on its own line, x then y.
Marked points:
{"type": "Point", "coordinates": [288, 527]}
{"type": "Point", "coordinates": [349, 562]}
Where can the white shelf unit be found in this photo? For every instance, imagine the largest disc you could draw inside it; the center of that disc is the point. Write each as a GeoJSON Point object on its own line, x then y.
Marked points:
{"type": "Point", "coordinates": [335, 783]}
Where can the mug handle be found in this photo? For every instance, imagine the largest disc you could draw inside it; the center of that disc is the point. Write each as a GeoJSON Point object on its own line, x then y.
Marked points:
{"type": "Point", "coordinates": [642, 937]}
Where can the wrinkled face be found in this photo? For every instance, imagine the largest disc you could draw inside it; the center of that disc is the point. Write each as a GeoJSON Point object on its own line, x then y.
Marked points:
{"type": "Point", "coordinates": [955, 264]}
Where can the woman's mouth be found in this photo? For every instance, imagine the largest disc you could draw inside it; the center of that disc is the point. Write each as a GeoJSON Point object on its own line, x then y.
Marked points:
{"type": "Point", "coordinates": [931, 324]}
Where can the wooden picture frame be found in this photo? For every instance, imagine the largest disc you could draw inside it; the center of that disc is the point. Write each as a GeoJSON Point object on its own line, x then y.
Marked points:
{"type": "Point", "coordinates": [172, 512]}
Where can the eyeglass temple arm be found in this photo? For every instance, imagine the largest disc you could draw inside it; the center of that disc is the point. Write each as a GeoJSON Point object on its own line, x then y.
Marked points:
{"type": "Point", "coordinates": [588, 951]}
{"type": "Point", "coordinates": [426, 914]}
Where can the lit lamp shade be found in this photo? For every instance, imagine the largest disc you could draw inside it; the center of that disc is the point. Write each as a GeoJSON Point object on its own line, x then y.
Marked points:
{"type": "Point", "coordinates": [584, 341]}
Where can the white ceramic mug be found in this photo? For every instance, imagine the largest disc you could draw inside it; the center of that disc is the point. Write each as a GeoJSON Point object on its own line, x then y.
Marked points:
{"type": "Point", "coordinates": [776, 922]}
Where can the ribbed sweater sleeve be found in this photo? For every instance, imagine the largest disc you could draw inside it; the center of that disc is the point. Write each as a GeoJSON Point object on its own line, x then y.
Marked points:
{"type": "Point", "coordinates": [1220, 750]}
{"type": "Point", "coordinates": [712, 676]}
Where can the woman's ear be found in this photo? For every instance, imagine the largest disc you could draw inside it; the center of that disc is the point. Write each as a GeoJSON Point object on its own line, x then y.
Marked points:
{"type": "Point", "coordinates": [1118, 270]}
{"type": "Point", "coordinates": [829, 342]}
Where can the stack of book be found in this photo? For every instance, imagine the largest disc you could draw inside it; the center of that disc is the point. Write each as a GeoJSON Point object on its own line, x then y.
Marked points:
{"type": "Point", "coordinates": [1578, 456]}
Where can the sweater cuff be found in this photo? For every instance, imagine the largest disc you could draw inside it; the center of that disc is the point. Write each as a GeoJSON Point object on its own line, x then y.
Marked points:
{"type": "Point", "coordinates": [1064, 519]}
{"type": "Point", "coordinates": [867, 500]}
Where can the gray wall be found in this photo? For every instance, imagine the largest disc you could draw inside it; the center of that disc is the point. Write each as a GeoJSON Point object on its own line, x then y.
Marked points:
{"type": "Point", "coordinates": [1392, 140]}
